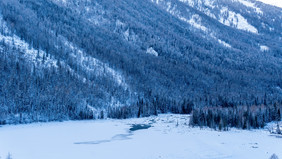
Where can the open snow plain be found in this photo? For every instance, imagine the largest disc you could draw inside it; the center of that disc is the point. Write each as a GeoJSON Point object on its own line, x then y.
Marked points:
{"type": "Point", "coordinates": [169, 137]}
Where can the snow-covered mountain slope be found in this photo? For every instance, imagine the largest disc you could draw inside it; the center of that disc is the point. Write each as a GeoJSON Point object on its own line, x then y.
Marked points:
{"type": "Point", "coordinates": [218, 11]}
{"type": "Point", "coordinates": [156, 53]}
{"type": "Point", "coordinates": [239, 14]}
{"type": "Point", "coordinates": [93, 65]}
{"type": "Point", "coordinates": [248, 17]}
{"type": "Point", "coordinates": [277, 3]}
{"type": "Point", "coordinates": [42, 60]}
{"type": "Point", "coordinates": [169, 137]}
{"type": "Point", "coordinates": [33, 56]}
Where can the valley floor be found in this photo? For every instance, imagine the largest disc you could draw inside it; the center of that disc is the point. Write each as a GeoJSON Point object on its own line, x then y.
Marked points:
{"type": "Point", "coordinates": [169, 137]}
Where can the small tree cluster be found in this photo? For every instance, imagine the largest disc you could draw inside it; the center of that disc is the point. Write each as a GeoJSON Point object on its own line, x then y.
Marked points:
{"type": "Point", "coordinates": [244, 117]}
{"type": "Point", "coordinates": [274, 156]}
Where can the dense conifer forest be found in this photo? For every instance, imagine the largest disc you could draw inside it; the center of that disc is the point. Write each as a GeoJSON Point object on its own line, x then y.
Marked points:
{"type": "Point", "coordinates": [83, 59]}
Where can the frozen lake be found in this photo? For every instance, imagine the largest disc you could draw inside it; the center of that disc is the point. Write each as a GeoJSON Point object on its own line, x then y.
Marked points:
{"type": "Point", "coordinates": [163, 137]}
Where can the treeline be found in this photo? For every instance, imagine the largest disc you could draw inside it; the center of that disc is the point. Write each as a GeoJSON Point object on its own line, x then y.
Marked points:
{"type": "Point", "coordinates": [243, 117]}
{"type": "Point", "coordinates": [153, 106]}
{"type": "Point", "coordinates": [188, 66]}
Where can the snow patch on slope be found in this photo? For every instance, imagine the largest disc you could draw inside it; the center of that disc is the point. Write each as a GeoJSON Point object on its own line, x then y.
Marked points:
{"type": "Point", "coordinates": [250, 5]}
{"type": "Point", "coordinates": [224, 43]}
{"type": "Point", "coordinates": [94, 65]}
{"type": "Point", "coordinates": [226, 17]}
{"type": "Point", "coordinates": [195, 21]}
{"type": "Point", "coordinates": [236, 20]}
{"type": "Point", "coordinates": [277, 3]}
{"type": "Point", "coordinates": [209, 3]}
{"type": "Point", "coordinates": [264, 48]}
{"type": "Point", "coordinates": [36, 56]}
{"type": "Point", "coordinates": [61, 1]}
{"type": "Point", "coordinates": [204, 6]}
{"type": "Point", "coordinates": [126, 33]}
{"type": "Point", "coordinates": [189, 2]}
{"type": "Point", "coordinates": [152, 51]}
{"type": "Point", "coordinates": [96, 14]}
{"type": "Point", "coordinates": [200, 3]}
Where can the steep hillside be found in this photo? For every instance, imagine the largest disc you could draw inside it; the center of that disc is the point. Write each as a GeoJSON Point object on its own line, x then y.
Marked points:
{"type": "Point", "coordinates": [86, 57]}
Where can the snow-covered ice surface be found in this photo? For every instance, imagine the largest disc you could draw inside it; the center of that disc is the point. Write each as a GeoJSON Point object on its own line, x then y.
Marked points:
{"type": "Point", "coordinates": [169, 138]}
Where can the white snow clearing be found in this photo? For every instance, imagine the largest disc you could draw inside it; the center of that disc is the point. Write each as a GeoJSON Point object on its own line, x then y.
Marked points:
{"type": "Point", "coordinates": [226, 16]}
{"type": "Point", "coordinates": [170, 137]}
{"type": "Point", "coordinates": [224, 43]}
{"type": "Point", "coordinates": [195, 21]}
{"type": "Point", "coordinates": [236, 20]}
{"type": "Point", "coordinates": [251, 5]}
{"type": "Point", "coordinates": [277, 3]}
{"type": "Point", "coordinates": [264, 48]}
{"type": "Point", "coordinates": [152, 51]}
{"type": "Point", "coordinates": [38, 57]}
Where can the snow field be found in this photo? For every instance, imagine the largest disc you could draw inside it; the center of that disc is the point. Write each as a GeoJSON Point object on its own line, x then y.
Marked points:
{"type": "Point", "coordinates": [170, 137]}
